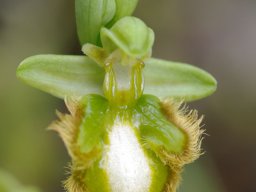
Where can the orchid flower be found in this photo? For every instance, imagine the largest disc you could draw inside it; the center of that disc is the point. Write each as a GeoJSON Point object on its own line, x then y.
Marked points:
{"type": "Point", "coordinates": [127, 130]}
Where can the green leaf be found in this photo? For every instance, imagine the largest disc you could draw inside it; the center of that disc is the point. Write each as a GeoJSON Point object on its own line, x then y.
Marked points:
{"type": "Point", "coordinates": [177, 80]}
{"type": "Point", "coordinates": [129, 34]}
{"type": "Point", "coordinates": [91, 15]}
{"type": "Point", "coordinates": [9, 184]}
{"type": "Point", "coordinates": [62, 75]}
{"type": "Point", "coordinates": [92, 128]}
{"type": "Point", "coordinates": [155, 129]}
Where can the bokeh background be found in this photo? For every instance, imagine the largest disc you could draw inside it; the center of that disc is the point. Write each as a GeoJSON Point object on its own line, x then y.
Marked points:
{"type": "Point", "coordinates": [218, 36]}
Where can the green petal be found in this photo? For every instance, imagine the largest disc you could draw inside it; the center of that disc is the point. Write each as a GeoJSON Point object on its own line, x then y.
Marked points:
{"type": "Point", "coordinates": [177, 80]}
{"type": "Point", "coordinates": [62, 75]}
{"type": "Point", "coordinates": [129, 34]}
{"type": "Point", "coordinates": [91, 15]}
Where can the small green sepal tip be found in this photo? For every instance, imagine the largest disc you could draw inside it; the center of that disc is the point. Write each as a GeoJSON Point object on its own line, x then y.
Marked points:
{"type": "Point", "coordinates": [129, 34]}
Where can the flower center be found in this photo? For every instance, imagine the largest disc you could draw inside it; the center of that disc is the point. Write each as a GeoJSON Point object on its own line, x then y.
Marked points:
{"type": "Point", "coordinates": [123, 83]}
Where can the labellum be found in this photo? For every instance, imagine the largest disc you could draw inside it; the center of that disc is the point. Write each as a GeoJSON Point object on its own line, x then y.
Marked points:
{"type": "Point", "coordinates": [128, 156]}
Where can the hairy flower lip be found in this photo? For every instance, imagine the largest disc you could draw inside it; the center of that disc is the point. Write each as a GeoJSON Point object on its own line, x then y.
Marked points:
{"type": "Point", "coordinates": [187, 120]}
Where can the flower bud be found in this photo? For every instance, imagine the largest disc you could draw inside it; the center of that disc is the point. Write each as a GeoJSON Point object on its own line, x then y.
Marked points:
{"type": "Point", "coordinates": [92, 15]}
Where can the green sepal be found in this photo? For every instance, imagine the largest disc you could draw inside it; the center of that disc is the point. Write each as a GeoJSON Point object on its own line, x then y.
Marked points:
{"type": "Point", "coordinates": [129, 34]}
{"type": "Point", "coordinates": [177, 80]}
{"type": "Point", "coordinates": [123, 8]}
{"type": "Point", "coordinates": [93, 126]}
{"type": "Point", "coordinates": [91, 15]}
{"type": "Point", "coordinates": [62, 75]}
{"type": "Point", "coordinates": [155, 129]}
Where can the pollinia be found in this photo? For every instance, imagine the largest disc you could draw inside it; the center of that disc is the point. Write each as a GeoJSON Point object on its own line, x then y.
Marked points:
{"type": "Point", "coordinates": [127, 130]}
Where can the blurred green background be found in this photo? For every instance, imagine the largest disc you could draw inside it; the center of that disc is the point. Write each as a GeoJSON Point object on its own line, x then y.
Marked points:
{"type": "Point", "coordinates": [218, 36]}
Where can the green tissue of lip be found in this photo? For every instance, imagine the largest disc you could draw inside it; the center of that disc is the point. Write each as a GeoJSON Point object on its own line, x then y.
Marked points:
{"type": "Point", "coordinates": [156, 130]}
{"type": "Point", "coordinates": [151, 129]}
{"type": "Point", "coordinates": [160, 174]}
{"type": "Point", "coordinates": [93, 126]}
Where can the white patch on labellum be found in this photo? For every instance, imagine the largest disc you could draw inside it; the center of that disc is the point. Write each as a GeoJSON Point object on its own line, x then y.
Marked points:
{"type": "Point", "coordinates": [126, 164]}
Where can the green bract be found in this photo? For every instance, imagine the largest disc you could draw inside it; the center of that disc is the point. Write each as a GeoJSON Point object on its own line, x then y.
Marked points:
{"type": "Point", "coordinates": [91, 15]}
